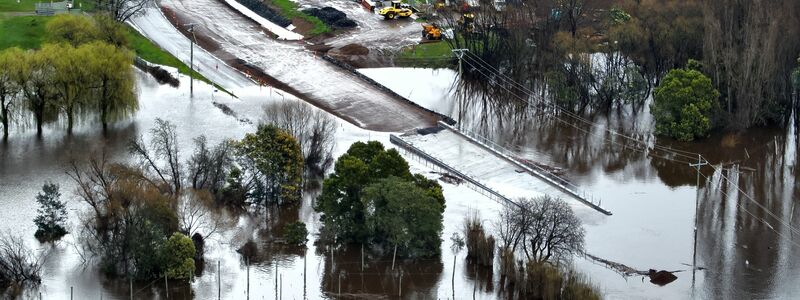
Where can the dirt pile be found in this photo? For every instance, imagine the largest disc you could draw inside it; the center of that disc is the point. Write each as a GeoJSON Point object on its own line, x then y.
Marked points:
{"type": "Point", "coordinates": [353, 49]}
{"type": "Point", "coordinates": [331, 16]}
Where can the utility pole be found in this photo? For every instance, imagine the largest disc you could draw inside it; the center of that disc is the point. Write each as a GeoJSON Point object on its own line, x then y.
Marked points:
{"type": "Point", "coordinates": [191, 59]}
{"type": "Point", "coordinates": [460, 54]}
{"type": "Point", "coordinates": [700, 163]}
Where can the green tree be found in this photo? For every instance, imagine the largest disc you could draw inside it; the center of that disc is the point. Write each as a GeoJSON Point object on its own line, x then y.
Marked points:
{"type": "Point", "coordinates": [341, 199]}
{"type": "Point", "coordinates": [111, 72]}
{"type": "Point", "coordinates": [401, 214]}
{"type": "Point", "coordinates": [684, 104]}
{"type": "Point", "coordinates": [295, 233]}
{"type": "Point", "coordinates": [8, 86]}
{"type": "Point", "coordinates": [70, 80]}
{"type": "Point", "coordinates": [72, 29]}
{"type": "Point", "coordinates": [274, 162]}
{"type": "Point", "coordinates": [52, 214]}
{"type": "Point", "coordinates": [178, 254]}
{"type": "Point", "coordinates": [35, 75]}
{"type": "Point", "coordinates": [110, 31]}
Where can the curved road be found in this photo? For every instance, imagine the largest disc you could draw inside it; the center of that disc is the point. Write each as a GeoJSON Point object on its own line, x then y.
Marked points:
{"type": "Point", "coordinates": [318, 81]}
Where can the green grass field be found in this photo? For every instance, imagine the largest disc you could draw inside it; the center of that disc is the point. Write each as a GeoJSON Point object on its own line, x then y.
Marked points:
{"type": "Point", "coordinates": [13, 6]}
{"type": "Point", "coordinates": [432, 55]}
{"type": "Point", "coordinates": [26, 32]}
{"type": "Point", "coordinates": [290, 10]}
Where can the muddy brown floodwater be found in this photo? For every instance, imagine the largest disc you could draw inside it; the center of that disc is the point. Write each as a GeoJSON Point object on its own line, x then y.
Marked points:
{"type": "Point", "coordinates": [653, 201]}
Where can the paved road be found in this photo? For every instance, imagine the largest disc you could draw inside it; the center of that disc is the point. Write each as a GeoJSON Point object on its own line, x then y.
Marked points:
{"type": "Point", "coordinates": [318, 81]}
{"type": "Point", "coordinates": [155, 26]}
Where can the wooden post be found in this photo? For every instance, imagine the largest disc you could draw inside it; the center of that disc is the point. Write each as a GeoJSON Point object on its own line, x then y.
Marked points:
{"type": "Point", "coordinates": [304, 275]}
{"type": "Point", "coordinates": [131, 282]}
{"type": "Point", "coordinates": [276, 279]}
{"type": "Point", "coordinates": [362, 258]}
{"type": "Point", "coordinates": [400, 286]}
{"type": "Point", "coordinates": [219, 282]}
{"type": "Point", "coordinates": [166, 285]}
{"type": "Point", "coordinates": [70, 293]}
{"type": "Point", "coordinates": [394, 255]}
{"type": "Point", "coordinates": [340, 285]}
{"type": "Point", "coordinates": [281, 286]}
{"type": "Point", "coordinates": [247, 262]}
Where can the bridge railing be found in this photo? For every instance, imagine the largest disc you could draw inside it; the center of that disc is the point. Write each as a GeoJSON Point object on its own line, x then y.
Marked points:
{"type": "Point", "coordinates": [554, 180]}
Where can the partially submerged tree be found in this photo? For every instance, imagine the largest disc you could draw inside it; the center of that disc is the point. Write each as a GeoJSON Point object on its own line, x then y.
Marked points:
{"type": "Point", "coordinates": [542, 229]}
{"type": "Point", "coordinates": [112, 75]}
{"type": "Point", "coordinates": [683, 105]}
{"type": "Point", "coordinates": [161, 158]}
{"type": "Point", "coordinates": [372, 198]}
{"type": "Point", "coordinates": [9, 88]}
{"type": "Point", "coordinates": [178, 256]}
{"type": "Point", "coordinates": [313, 128]}
{"type": "Point", "coordinates": [273, 165]}
{"type": "Point", "coordinates": [19, 265]}
{"type": "Point", "coordinates": [295, 233]}
{"type": "Point", "coordinates": [52, 214]}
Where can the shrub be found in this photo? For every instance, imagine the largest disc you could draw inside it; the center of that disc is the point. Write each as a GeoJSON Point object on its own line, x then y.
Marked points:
{"type": "Point", "coordinates": [178, 254]}
{"type": "Point", "coordinates": [295, 233]}
{"type": "Point", "coordinates": [480, 247]}
{"type": "Point", "coordinates": [683, 104]}
{"type": "Point", "coordinates": [52, 214]}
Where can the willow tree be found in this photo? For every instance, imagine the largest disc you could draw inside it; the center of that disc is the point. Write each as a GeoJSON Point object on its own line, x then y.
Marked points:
{"type": "Point", "coordinates": [35, 75]}
{"type": "Point", "coordinates": [70, 79]}
{"type": "Point", "coordinates": [111, 75]}
{"type": "Point", "coordinates": [8, 87]}
{"type": "Point", "coordinates": [72, 29]}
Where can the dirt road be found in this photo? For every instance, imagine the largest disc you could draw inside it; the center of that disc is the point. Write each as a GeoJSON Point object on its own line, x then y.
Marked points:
{"type": "Point", "coordinates": [234, 38]}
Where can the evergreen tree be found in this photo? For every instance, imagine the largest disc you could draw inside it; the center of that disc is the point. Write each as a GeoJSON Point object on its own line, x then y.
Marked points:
{"type": "Point", "coordinates": [52, 214]}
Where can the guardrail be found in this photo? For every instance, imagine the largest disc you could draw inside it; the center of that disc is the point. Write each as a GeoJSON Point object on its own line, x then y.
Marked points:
{"type": "Point", "coordinates": [420, 153]}
{"type": "Point", "coordinates": [500, 151]}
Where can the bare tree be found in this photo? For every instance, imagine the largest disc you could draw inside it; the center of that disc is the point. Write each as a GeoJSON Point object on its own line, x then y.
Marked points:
{"type": "Point", "coordinates": [122, 10]}
{"type": "Point", "coordinates": [18, 264]}
{"type": "Point", "coordinates": [209, 167]}
{"type": "Point", "coordinates": [163, 147]}
{"type": "Point", "coordinates": [195, 216]}
{"type": "Point", "coordinates": [543, 228]}
{"type": "Point", "coordinates": [313, 128]}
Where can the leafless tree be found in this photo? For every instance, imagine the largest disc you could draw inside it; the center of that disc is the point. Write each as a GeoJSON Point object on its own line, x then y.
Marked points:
{"type": "Point", "coordinates": [543, 229]}
{"type": "Point", "coordinates": [208, 167]}
{"type": "Point", "coordinates": [163, 147]}
{"type": "Point", "coordinates": [313, 128]}
{"type": "Point", "coordinates": [18, 264]}
{"type": "Point", "coordinates": [122, 10]}
{"type": "Point", "coordinates": [195, 216]}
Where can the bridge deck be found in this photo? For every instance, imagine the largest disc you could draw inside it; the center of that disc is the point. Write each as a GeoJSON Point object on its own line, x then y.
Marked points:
{"type": "Point", "coordinates": [490, 167]}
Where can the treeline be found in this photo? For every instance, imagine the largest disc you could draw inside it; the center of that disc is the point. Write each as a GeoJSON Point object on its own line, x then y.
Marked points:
{"type": "Point", "coordinates": [84, 71]}
{"type": "Point", "coordinates": [597, 58]}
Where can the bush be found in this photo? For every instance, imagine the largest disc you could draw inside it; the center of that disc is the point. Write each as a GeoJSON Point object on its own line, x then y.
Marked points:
{"type": "Point", "coordinates": [295, 233]}
{"type": "Point", "coordinates": [178, 254]}
{"type": "Point", "coordinates": [52, 214]}
{"type": "Point", "coordinates": [684, 104]}
{"type": "Point", "coordinates": [480, 247]}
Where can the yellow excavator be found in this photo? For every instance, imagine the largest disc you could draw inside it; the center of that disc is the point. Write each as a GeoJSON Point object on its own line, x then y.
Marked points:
{"type": "Point", "coordinates": [395, 10]}
{"type": "Point", "coordinates": [431, 32]}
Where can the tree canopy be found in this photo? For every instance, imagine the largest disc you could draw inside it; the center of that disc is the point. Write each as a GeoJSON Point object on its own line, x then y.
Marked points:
{"type": "Point", "coordinates": [373, 198]}
{"type": "Point", "coordinates": [273, 163]}
{"type": "Point", "coordinates": [684, 104]}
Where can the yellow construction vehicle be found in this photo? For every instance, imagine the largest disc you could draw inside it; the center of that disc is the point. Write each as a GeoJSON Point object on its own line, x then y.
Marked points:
{"type": "Point", "coordinates": [395, 10]}
{"type": "Point", "coordinates": [467, 22]}
{"type": "Point", "coordinates": [431, 32]}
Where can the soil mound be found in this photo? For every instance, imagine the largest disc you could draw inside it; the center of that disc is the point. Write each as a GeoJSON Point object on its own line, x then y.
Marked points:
{"type": "Point", "coordinates": [353, 49]}
{"type": "Point", "coordinates": [331, 16]}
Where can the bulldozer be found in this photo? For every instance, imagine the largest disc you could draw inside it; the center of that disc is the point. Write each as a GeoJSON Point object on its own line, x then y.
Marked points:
{"type": "Point", "coordinates": [431, 32]}
{"type": "Point", "coordinates": [395, 10]}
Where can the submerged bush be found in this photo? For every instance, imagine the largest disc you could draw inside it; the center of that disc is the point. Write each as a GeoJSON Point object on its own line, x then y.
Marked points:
{"type": "Point", "coordinates": [683, 105]}
{"type": "Point", "coordinates": [296, 233]}
{"type": "Point", "coordinates": [480, 246]}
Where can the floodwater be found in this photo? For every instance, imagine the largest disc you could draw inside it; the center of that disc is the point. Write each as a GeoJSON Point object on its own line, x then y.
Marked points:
{"type": "Point", "coordinates": [653, 199]}
{"type": "Point", "coordinates": [653, 202]}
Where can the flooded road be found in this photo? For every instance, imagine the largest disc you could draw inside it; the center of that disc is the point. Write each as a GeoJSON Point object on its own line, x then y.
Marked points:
{"type": "Point", "coordinates": [317, 81]}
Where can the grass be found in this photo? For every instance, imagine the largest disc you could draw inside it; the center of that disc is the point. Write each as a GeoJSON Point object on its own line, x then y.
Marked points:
{"type": "Point", "coordinates": [145, 49]}
{"type": "Point", "coordinates": [289, 10]}
{"type": "Point", "coordinates": [26, 32]}
{"type": "Point", "coordinates": [13, 6]}
{"type": "Point", "coordinates": [427, 55]}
